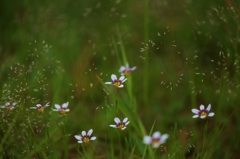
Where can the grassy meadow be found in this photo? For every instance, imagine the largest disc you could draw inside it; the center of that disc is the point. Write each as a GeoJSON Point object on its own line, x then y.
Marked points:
{"type": "Point", "coordinates": [61, 53]}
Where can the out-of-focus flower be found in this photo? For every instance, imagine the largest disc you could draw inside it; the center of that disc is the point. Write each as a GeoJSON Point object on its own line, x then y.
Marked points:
{"type": "Point", "coordinates": [85, 137]}
{"type": "Point", "coordinates": [156, 139]}
{"type": "Point", "coordinates": [120, 125]}
{"type": "Point", "coordinates": [202, 113]}
{"type": "Point", "coordinates": [62, 109]}
{"type": "Point", "coordinates": [40, 108]}
{"type": "Point", "coordinates": [118, 83]}
{"type": "Point", "coordinates": [9, 106]}
{"type": "Point", "coordinates": [126, 70]}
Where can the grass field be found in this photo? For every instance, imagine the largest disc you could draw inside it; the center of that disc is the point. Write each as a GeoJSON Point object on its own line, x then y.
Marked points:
{"type": "Point", "coordinates": [61, 53]}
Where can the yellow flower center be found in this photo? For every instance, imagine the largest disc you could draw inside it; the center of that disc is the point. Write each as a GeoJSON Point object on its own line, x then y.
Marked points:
{"type": "Point", "coordinates": [62, 111]}
{"type": "Point", "coordinates": [155, 141]}
{"type": "Point", "coordinates": [86, 139]}
{"type": "Point", "coordinates": [127, 73]}
{"type": "Point", "coordinates": [41, 110]}
{"type": "Point", "coordinates": [121, 126]}
{"type": "Point", "coordinates": [10, 108]}
{"type": "Point", "coordinates": [203, 114]}
{"type": "Point", "coordinates": [117, 84]}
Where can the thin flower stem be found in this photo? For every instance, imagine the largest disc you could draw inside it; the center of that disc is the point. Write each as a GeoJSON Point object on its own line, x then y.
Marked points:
{"type": "Point", "coordinates": [152, 155]}
{"type": "Point", "coordinates": [64, 123]}
{"type": "Point", "coordinates": [204, 138]}
{"type": "Point", "coordinates": [46, 126]}
{"type": "Point", "coordinates": [116, 101]}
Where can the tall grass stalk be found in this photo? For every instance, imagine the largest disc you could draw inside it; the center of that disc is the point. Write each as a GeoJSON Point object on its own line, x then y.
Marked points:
{"type": "Point", "coordinates": [146, 38]}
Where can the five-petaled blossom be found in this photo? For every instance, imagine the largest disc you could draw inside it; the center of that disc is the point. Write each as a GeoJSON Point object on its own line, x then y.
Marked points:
{"type": "Point", "coordinates": [202, 113]}
{"type": "Point", "coordinates": [120, 125]}
{"type": "Point", "coordinates": [9, 106]}
{"type": "Point", "coordinates": [62, 109]}
{"type": "Point", "coordinates": [126, 70]}
{"type": "Point", "coordinates": [40, 108]}
{"type": "Point", "coordinates": [156, 139]}
{"type": "Point", "coordinates": [118, 83]}
{"type": "Point", "coordinates": [85, 137]}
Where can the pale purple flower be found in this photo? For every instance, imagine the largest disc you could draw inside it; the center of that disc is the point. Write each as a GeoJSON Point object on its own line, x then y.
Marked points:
{"type": "Point", "coordinates": [62, 109]}
{"type": "Point", "coordinates": [202, 113]}
{"type": "Point", "coordinates": [118, 83]}
{"type": "Point", "coordinates": [40, 108]}
{"type": "Point", "coordinates": [85, 137]}
{"type": "Point", "coordinates": [9, 106]}
{"type": "Point", "coordinates": [156, 139]}
{"type": "Point", "coordinates": [120, 125]}
{"type": "Point", "coordinates": [126, 70]}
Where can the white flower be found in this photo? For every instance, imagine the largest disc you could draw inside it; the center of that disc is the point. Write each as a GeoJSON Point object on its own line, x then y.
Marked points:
{"type": "Point", "coordinates": [62, 109]}
{"type": "Point", "coordinates": [156, 140]}
{"type": "Point", "coordinates": [9, 106]}
{"type": "Point", "coordinates": [121, 125]}
{"type": "Point", "coordinates": [202, 113]}
{"type": "Point", "coordinates": [85, 137]}
{"type": "Point", "coordinates": [126, 70]}
{"type": "Point", "coordinates": [40, 108]}
{"type": "Point", "coordinates": [118, 83]}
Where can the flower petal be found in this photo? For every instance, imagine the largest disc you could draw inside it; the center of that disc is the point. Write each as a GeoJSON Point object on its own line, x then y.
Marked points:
{"type": "Point", "coordinates": [46, 105]}
{"type": "Point", "coordinates": [78, 137]}
{"type": "Point", "coordinates": [195, 111]}
{"type": "Point", "coordinates": [113, 77]}
{"type": "Point", "coordinates": [195, 116]}
{"type": "Point", "coordinates": [202, 107]}
{"type": "Point", "coordinates": [108, 82]}
{"type": "Point", "coordinates": [133, 68]}
{"type": "Point", "coordinates": [67, 110]}
{"type": "Point", "coordinates": [90, 132]}
{"type": "Point", "coordinates": [163, 138]}
{"type": "Point", "coordinates": [211, 114]}
{"type": "Point", "coordinates": [156, 145]}
{"type": "Point", "coordinates": [202, 117]}
{"type": "Point", "coordinates": [121, 78]}
{"type": "Point", "coordinates": [113, 126]}
{"type": "Point", "coordinates": [117, 120]}
{"type": "Point", "coordinates": [125, 120]}
{"type": "Point", "coordinates": [121, 86]}
{"type": "Point", "coordinates": [65, 105]}
{"type": "Point", "coordinates": [124, 80]}
{"type": "Point", "coordinates": [147, 140]}
{"type": "Point", "coordinates": [157, 134]}
{"type": "Point", "coordinates": [80, 141]}
{"type": "Point", "coordinates": [208, 108]}
{"type": "Point", "coordinates": [127, 123]}
{"type": "Point", "coordinates": [93, 138]}
{"type": "Point", "coordinates": [39, 105]}
{"type": "Point", "coordinates": [122, 68]}
{"type": "Point", "coordinates": [83, 133]}
{"type": "Point", "coordinates": [57, 106]}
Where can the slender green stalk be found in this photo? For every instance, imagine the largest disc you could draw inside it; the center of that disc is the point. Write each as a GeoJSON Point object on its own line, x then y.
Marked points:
{"type": "Point", "coordinates": [46, 126]}
{"type": "Point", "coordinates": [204, 139]}
{"type": "Point", "coordinates": [146, 38]}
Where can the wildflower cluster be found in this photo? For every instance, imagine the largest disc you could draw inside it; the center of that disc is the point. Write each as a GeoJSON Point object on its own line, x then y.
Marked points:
{"type": "Point", "coordinates": [85, 137]}
{"type": "Point", "coordinates": [9, 106]}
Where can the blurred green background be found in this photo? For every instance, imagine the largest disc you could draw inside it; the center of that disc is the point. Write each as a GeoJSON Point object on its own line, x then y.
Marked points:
{"type": "Point", "coordinates": [186, 53]}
